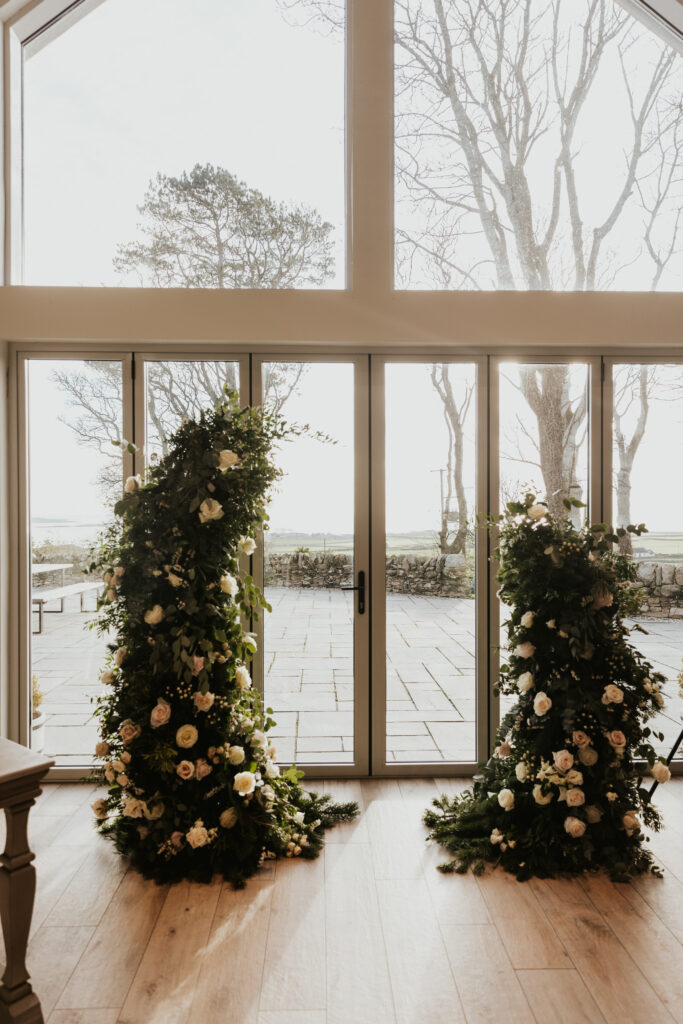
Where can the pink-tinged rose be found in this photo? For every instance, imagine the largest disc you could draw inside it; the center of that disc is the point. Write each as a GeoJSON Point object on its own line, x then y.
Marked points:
{"type": "Point", "coordinates": [133, 808]}
{"type": "Point", "coordinates": [660, 772]}
{"type": "Point", "coordinates": [588, 756]}
{"type": "Point", "coordinates": [612, 694]}
{"type": "Point", "coordinates": [102, 748]}
{"type": "Point", "coordinates": [100, 808]}
{"type": "Point", "coordinates": [202, 768]}
{"type": "Point", "coordinates": [107, 678]}
{"type": "Point", "coordinates": [185, 770]}
{"type": "Point", "coordinates": [576, 798]}
{"type": "Point", "coordinates": [575, 778]}
{"type": "Point", "coordinates": [160, 713]}
{"type": "Point", "coordinates": [203, 701]}
{"type": "Point", "coordinates": [574, 827]}
{"type": "Point", "coordinates": [111, 595]}
{"type": "Point", "coordinates": [129, 731]}
{"type": "Point", "coordinates": [593, 814]}
{"type": "Point", "coordinates": [109, 773]}
{"type": "Point", "coordinates": [504, 749]}
{"type": "Point", "coordinates": [177, 839]}
{"type": "Point", "coordinates": [631, 823]}
{"type": "Point", "coordinates": [122, 779]}
{"type": "Point", "coordinates": [259, 739]}
{"type": "Point", "coordinates": [210, 510]}
{"type": "Point", "coordinates": [126, 757]}
{"type": "Point", "coordinates": [542, 703]}
{"type": "Point", "coordinates": [227, 459]}
{"type": "Point", "coordinates": [616, 739]}
{"type": "Point", "coordinates": [197, 664]}
{"type": "Point", "coordinates": [525, 650]}
{"type": "Point", "coordinates": [120, 656]}
{"type": "Point", "coordinates": [580, 739]}
{"type": "Point", "coordinates": [119, 573]}
{"type": "Point", "coordinates": [563, 760]}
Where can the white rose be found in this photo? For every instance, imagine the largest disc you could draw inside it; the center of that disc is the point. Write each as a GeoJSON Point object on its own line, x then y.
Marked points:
{"type": "Point", "coordinates": [100, 808]}
{"type": "Point", "coordinates": [525, 682]}
{"type": "Point", "coordinates": [272, 770]}
{"type": "Point", "coordinates": [522, 771]}
{"type": "Point", "coordinates": [660, 772]}
{"type": "Point", "coordinates": [506, 799]}
{"type": "Point", "coordinates": [563, 760]}
{"type": "Point", "coordinates": [612, 694]}
{"type": "Point", "coordinates": [236, 755]}
{"type": "Point", "coordinates": [102, 748]}
{"type": "Point", "coordinates": [588, 756]}
{"type": "Point", "coordinates": [197, 835]}
{"type": "Point", "coordinates": [242, 677]}
{"type": "Point", "coordinates": [229, 585]}
{"type": "Point", "coordinates": [593, 814]}
{"type": "Point", "coordinates": [209, 510]}
{"type": "Point", "coordinates": [299, 817]}
{"type": "Point", "coordinates": [527, 619]}
{"type": "Point", "coordinates": [244, 783]}
{"type": "Point", "coordinates": [574, 827]}
{"type": "Point", "coordinates": [537, 512]}
{"type": "Point", "coordinates": [631, 823]}
{"type": "Point", "coordinates": [576, 798]}
{"type": "Point", "coordinates": [203, 701]}
{"type": "Point", "coordinates": [185, 770]}
{"type": "Point", "coordinates": [227, 459]}
{"type": "Point", "coordinates": [133, 808]}
{"type": "Point", "coordinates": [228, 818]}
{"type": "Point", "coordinates": [154, 616]}
{"type": "Point", "coordinates": [539, 796]}
{"type": "Point", "coordinates": [160, 713]}
{"type": "Point", "coordinates": [525, 650]}
{"type": "Point", "coordinates": [542, 703]}
{"type": "Point", "coordinates": [120, 656]}
{"type": "Point", "coordinates": [247, 545]}
{"type": "Point", "coordinates": [259, 739]}
{"type": "Point", "coordinates": [186, 736]}
{"type": "Point", "coordinates": [132, 484]}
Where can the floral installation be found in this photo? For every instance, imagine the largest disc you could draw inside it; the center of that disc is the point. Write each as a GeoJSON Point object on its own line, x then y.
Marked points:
{"type": "Point", "coordinates": [561, 792]}
{"type": "Point", "coordinates": [194, 787]}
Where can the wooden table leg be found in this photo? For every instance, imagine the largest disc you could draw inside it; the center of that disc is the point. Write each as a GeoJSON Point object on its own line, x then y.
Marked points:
{"type": "Point", "coordinates": [18, 1002]}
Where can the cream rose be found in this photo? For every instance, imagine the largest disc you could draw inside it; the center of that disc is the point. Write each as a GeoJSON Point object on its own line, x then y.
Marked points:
{"type": "Point", "coordinates": [272, 770]}
{"type": "Point", "coordinates": [616, 739]}
{"type": "Point", "coordinates": [537, 512]}
{"type": "Point", "coordinates": [133, 808]}
{"type": "Point", "coordinates": [185, 770]}
{"type": "Point", "coordinates": [611, 796]}
{"type": "Point", "coordinates": [126, 757]}
{"type": "Point", "coordinates": [102, 748]}
{"type": "Point", "coordinates": [228, 459]}
{"type": "Point", "coordinates": [107, 678]}
{"type": "Point", "coordinates": [551, 624]}
{"type": "Point", "coordinates": [593, 814]}
{"type": "Point", "coordinates": [522, 771]}
{"type": "Point", "coordinates": [542, 703]}
{"type": "Point", "coordinates": [202, 768]}
{"type": "Point", "coordinates": [580, 739]}
{"type": "Point", "coordinates": [186, 736]}
{"type": "Point", "coordinates": [132, 484]}
{"type": "Point", "coordinates": [259, 739]}
{"type": "Point", "coordinates": [210, 510]}
{"type": "Point", "coordinates": [563, 760]}
{"type": "Point", "coordinates": [122, 779]}
{"type": "Point", "coordinates": [575, 778]}
{"type": "Point", "coordinates": [525, 682]}
{"type": "Point", "coordinates": [525, 650]}
{"type": "Point", "coordinates": [229, 585]}
{"type": "Point", "coordinates": [496, 836]}
{"type": "Point", "coordinates": [109, 773]}
{"type": "Point", "coordinates": [228, 818]}
{"type": "Point", "coordinates": [612, 694]}
{"type": "Point", "coordinates": [506, 799]}
{"type": "Point", "coordinates": [528, 619]}
{"type": "Point", "coordinates": [576, 798]}
{"type": "Point", "coordinates": [574, 827]}
{"type": "Point", "coordinates": [660, 772]}
{"type": "Point", "coordinates": [203, 701]}
{"type": "Point", "coordinates": [242, 677]}
{"type": "Point", "coordinates": [588, 756]}
{"type": "Point", "coordinates": [197, 835]}
{"type": "Point", "coordinates": [244, 783]}
{"type": "Point", "coordinates": [120, 656]}
{"type": "Point", "coordinates": [100, 808]}
{"type": "Point", "coordinates": [504, 749]}
{"type": "Point", "coordinates": [111, 595]}
{"type": "Point", "coordinates": [631, 823]}
{"type": "Point", "coordinates": [539, 796]}
{"type": "Point", "coordinates": [236, 755]}
{"type": "Point", "coordinates": [129, 731]}
{"type": "Point", "coordinates": [247, 545]}
{"type": "Point", "coordinates": [154, 616]}
{"type": "Point", "coordinates": [160, 713]}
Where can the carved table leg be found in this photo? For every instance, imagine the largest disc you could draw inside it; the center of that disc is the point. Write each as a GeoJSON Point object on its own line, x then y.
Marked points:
{"type": "Point", "coordinates": [18, 1003]}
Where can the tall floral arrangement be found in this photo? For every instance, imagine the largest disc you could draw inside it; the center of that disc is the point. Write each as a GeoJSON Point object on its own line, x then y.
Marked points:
{"type": "Point", "coordinates": [561, 791]}
{"type": "Point", "coordinates": [194, 787]}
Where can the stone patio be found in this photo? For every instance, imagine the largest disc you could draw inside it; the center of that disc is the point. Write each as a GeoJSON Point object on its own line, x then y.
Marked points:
{"type": "Point", "coordinates": [308, 657]}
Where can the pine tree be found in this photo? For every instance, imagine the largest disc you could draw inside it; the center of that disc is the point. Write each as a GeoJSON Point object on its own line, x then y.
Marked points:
{"type": "Point", "coordinates": [561, 792]}
{"type": "Point", "coordinates": [194, 788]}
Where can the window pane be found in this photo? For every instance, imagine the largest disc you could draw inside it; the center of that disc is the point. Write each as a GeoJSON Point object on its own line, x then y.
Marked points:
{"type": "Point", "coordinates": [75, 473]}
{"type": "Point", "coordinates": [177, 144]}
{"type": "Point", "coordinates": [647, 453]}
{"type": "Point", "coordinates": [430, 573]}
{"type": "Point", "coordinates": [538, 147]}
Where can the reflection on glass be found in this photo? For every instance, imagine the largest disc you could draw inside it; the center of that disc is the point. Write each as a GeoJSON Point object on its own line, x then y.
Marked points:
{"type": "Point", "coordinates": [430, 572]}
{"type": "Point", "coordinates": [308, 556]}
{"type": "Point", "coordinates": [178, 389]}
{"type": "Point", "coordinates": [537, 148]}
{"type": "Point", "coordinates": [75, 473]}
{"type": "Point", "coordinates": [229, 175]}
{"type": "Point", "coordinates": [647, 463]}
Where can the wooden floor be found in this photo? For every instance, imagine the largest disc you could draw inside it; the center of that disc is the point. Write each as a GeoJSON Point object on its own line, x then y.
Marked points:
{"type": "Point", "coordinates": [370, 933]}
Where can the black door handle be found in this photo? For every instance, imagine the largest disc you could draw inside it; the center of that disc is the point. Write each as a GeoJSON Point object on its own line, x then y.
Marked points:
{"type": "Point", "coordinates": [361, 592]}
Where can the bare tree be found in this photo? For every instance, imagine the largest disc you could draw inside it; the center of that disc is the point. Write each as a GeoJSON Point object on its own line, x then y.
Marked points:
{"type": "Point", "coordinates": [454, 498]}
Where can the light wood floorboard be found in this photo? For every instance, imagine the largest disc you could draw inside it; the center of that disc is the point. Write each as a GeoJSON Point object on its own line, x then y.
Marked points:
{"type": "Point", "coordinates": [371, 933]}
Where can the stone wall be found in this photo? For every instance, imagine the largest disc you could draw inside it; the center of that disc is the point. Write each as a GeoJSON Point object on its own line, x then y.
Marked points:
{"type": "Point", "coordinates": [662, 589]}
{"type": "Point", "coordinates": [440, 576]}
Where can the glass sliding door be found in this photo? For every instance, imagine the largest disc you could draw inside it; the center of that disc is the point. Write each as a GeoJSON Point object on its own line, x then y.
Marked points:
{"type": "Point", "coordinates": [647, 487]}
{"type": "Point", "coordinates": [75, 474]}
{"type": "Point", "coordinates": [425, 564]}
{"type": "Point", "coordinates": [313, 645]}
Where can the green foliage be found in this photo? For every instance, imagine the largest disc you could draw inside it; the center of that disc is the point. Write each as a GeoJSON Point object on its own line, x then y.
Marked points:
{"type": "Point", "coordinates": [193, 786]}
{"type": "Point", "coordinates": [560, 794]}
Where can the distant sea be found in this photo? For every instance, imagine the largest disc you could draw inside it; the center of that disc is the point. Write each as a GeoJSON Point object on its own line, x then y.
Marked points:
{"type": "Point", "coordinates": [61, 532]}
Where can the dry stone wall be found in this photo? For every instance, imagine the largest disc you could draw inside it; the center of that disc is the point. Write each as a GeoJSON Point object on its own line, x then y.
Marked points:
{"type": "Point", "coordinates": [662, 589]}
